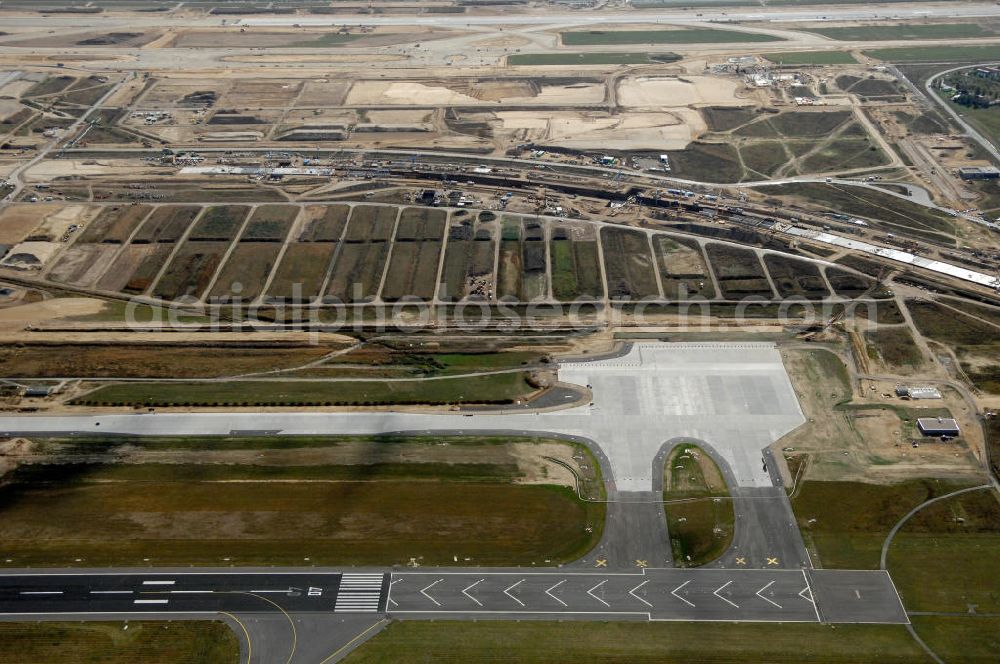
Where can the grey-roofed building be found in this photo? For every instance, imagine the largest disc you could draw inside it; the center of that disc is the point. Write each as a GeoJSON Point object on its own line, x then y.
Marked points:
{"type": "Point", "coordinates": [938, 426]}
{"type": "Point", "coordinates": [978, 173]}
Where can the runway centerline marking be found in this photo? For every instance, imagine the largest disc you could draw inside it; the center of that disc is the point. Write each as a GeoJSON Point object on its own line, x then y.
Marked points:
{"type": "Point", "coordinates": [770, 601]}
{"type": "Point", "coordinates": [424, 592]}
{"type": "Point", "coordinates": [41, 592]}
{"type": "Point", "coordinates": [632, 593]}
{"type": "Point", "coordinates": [716, 593]}
{"type": "Point", "coordinates": [549, 592]}
{"type": "Point", "coordinates": [466, 591]}
{"type": "Point", "coordinates": [507, 592]}
{"type": "Point", "coordinates": [591, 592]}
{"type": "Point", "coordinates": [674, 593]}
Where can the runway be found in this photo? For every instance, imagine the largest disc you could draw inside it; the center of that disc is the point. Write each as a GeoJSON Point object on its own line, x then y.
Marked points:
{"type": "Point", "coordinates": [750, 595]}
{"type": "Point", "coordinates": [192, 592]}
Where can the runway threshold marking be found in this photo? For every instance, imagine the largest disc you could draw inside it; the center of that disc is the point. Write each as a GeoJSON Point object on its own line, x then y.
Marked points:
{"type": "Point", "coordinates": [507, 592]}
{"type": "Point", "coordinates": [674, 593]}
{"type": "Point", "coordinates": [465, 591]}
{"type": "Point", "coordinates": [632, 593]}
{"type": "Point", "coordinates": [549, 592]}
{"type": "Point", "coordinates": [424, 592]}
{"type": "Point", "coordinates": [723, 586]}
{"type": "Point", "coordinates": [770, 601]}
{"type": "Point", "coordinates": [591, 592]}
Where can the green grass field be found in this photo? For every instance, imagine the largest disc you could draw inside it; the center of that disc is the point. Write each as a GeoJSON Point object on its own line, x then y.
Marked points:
{"type": "Point", "coordinates": [149, 642]}
{"type": "Point", "coordinates": [845, 523]}
{"type": "Point", "coordinates": [960, 639]}
{"type": "Point", "coordinates": [382, 501]}
{"type": "Point", "coordinates": [496, 388]}
{"type": "Point", "coordinates": [532, 642]}
{"type": "Point", "coordinates": [957, 54]}
{"type": "Point", "coordinates": [896, 32]}
{"type": "Point", "coordinates": [987, 120]}
{"type": "Point", "coordinates": [944, 560]}
{"type": "Point", "coordinates": [895, 346]}
{"type": "Point", "coordinates": [700, 516]}
{"type": "Point", "coordinates": [812, 58]}
{"type": "Point", "coordinates": [541, 59]}
{"type": "Point", "coordinates": [679, 36]}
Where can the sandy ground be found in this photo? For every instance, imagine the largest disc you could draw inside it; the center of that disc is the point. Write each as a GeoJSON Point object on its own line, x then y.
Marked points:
{"type": "Point", "coordinates": [15, 318]}
{"type": "Point", "coordinates": [17, 221]}
{"type": "Point", "coordinates": [400, 117]}
{"type": "Point", "coordinates": [52, 221]}
{"type": "Point", "coordinates": [654, 91]}
{"type": "Point", "coordinates": [661, 131]}
{"type": "Point", "coordinates": [50, 169]}
{"type": "Point", "coordinates": [255, 92]}
{"type": "Point", "coordinates": [42, 252]}
{"type": "Point", "coordinates": [577, 93]}
{"type": "Point", "coordinates": [16, 88]}
{"type": "Point", "coordinates": [377, 93]}
{"type": "Point", "coordinates": [8, 107]}
{"type": "Point", "coordinates": [369, 93]}
{"type": "Point", "coordinates": [868, 445]}
{"type": "Point", "coordinates": [333, 58]}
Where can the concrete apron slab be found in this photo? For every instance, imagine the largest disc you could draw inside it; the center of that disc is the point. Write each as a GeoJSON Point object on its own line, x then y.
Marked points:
{"type": "Point", "coordinates": [736, 397]}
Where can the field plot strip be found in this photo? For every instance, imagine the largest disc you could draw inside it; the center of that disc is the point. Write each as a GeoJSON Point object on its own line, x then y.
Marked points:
{"type": "Point", "coordinates": [113, 260]}
{"type": "Point", "coordinates": [227, 254]}
{"type": "Point", "coordinates": [388, 257]}
{"type": "Point", "coordinates": [336, 253]}
{"type": "Point", "coordinates": [285, 243]}
{"type": "Point", "coordinates": [155, 282]}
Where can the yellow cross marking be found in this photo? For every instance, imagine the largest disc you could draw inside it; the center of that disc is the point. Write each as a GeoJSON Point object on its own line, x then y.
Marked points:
{"type": "Point", "coordinates": [601, 562]}
{"type": "Point", "coordinates": [641, 563]}
{"type": "Point", "coordinates": [741, 561]}
{"type": "Point", "coordinates": [772, 561]}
